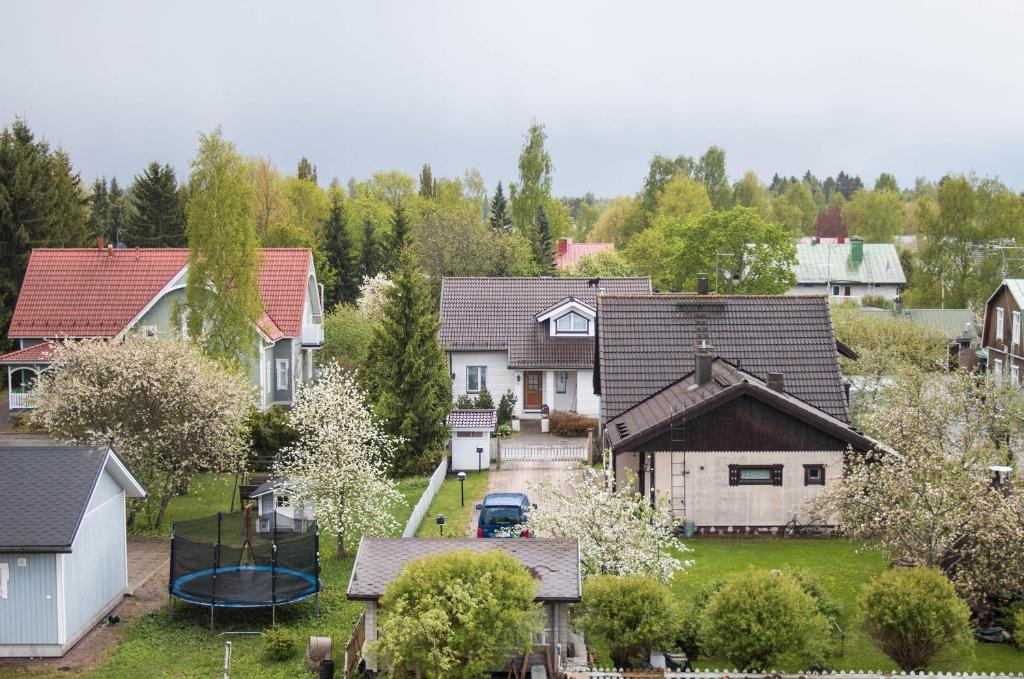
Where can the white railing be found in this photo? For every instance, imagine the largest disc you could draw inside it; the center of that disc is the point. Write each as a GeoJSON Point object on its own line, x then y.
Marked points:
{"type": "Point", "coordinates": [312, 334]}
{"type": "Point", "coordinates": [612, 673]}
{"type": "Point", "coordinates": [21, 401]}
{"type": "Point", "coordinates": [543, 452]}
{"type": "Point", "coordinates": [420, 510]}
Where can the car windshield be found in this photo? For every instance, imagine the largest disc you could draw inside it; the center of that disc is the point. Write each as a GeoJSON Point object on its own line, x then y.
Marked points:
{"type": "Point", "coordinates": [501, 516]}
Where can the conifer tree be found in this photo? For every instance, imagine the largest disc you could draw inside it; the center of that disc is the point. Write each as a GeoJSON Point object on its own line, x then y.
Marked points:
{"type": "Point", "coordinates": [406, 371]}
{"type": "Point", "coordinates": [99, 208]}
{"type": "Point", "coordinates": [399, 236]}
{"type": "Point", "coordinates": [543, 253]}
{"type": "Point", "coordinates": [306, 170]}
{"type": "Point", "coordinates": [426, 182]}
{"type": "Point", "coordinates": [157, 219]}
{"type": "Point", "coordinates": [339, 250]}
{"type": "Point", "coordinates": [117, 205]}
{"type": "Point", "coordinates": [370, 249]}
{"type": "Point", "coordinates": [500, 218]}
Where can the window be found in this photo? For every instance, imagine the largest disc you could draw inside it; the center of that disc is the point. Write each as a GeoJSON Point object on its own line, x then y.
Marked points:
{"type": "Point", "coordinates": [1014, 374]}
{"type": "Point", "coordinates": [755, 475]}
{"type": "Point", "coordinates": [999, 323]}
{"type": "Point", "coordinates": [572, 322]}
{"type": "Point", "coordinates": [814, 475]}
{"type": "Point", "coordinates": [846, 291]}
{"type": "Point", "coordinates": [562, 382]}
{"type": "Point", "coordinates": [997, 368]}
{"type": "Point", "coordinates": [282, 373]}
{"type": "Point", "coordinates": [1015, 327]}
{"type": "Point", "coordinates": [476, 378]}
{"type": "Point", "coordinates": [469, 434]}
{"type": "Point", "coordinates": [5, 573]}
{"type": "Point", "coordinates": [282, 500]}
{"type": "Point", "coordinates": [835, 290]}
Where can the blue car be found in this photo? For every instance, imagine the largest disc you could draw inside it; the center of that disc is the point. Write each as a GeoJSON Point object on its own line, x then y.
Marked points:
{"type": "Point", "coordinates": [502, 515]}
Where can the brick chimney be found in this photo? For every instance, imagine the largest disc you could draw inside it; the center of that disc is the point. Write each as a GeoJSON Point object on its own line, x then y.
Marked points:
{"type": "Point", "coordinates": [563, 245]}
{"type": "Point", "coordinates": [776, 382]}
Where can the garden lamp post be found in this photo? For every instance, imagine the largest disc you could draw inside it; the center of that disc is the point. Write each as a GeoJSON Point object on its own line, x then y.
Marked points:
{"type": "Point", "coordinates": [440, 523]}
{"type": "Point", "coordinates": [462, 487]}
{"type": "Point", "coordinates": [479, 458]}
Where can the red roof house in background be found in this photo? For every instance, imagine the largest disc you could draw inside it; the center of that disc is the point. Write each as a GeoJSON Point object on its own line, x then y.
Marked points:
{"type": "Point", "coordinates": [568, 254]}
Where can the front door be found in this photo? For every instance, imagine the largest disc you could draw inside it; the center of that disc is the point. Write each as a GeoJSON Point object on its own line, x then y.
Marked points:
{"type": "Point", "coordinates": [533, 389]}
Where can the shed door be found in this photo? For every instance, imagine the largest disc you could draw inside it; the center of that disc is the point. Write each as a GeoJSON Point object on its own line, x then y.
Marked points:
{"type": "Point", "coordinates": [464, 456]}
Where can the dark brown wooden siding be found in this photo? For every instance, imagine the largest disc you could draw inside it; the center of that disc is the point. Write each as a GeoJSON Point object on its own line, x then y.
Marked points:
{"type": "Point", "coordinates": [745, 424]}
{"type": "Point", "coordinates": [1001, 348]}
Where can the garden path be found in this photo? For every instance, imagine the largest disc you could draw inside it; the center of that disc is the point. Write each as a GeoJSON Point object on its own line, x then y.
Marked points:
{"type": "Point", "coordinates": [525, 477]}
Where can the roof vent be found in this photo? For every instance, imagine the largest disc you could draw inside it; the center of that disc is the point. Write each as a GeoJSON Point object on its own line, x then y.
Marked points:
{"type": "Point", "coordinates": [702, 284]}
{"type": "Point", "coordinates": [703, 359]}
{"type": "Point", "coordinates": [622, 429]}
{"type": "Point", "coordinates": [776, 382]}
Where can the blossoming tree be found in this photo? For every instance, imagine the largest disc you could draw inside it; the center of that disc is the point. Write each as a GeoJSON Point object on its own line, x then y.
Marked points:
{"type": "Point", "coordinates": [168, 410]}
{"type": "Point", "coordinates": [341, 457]}
{"type": "Point", "coordinates": [619, 532]}
{"type": "Point", "coordinates": [373, 295]}
{"type": "Point", "coordinates": [931, 496]}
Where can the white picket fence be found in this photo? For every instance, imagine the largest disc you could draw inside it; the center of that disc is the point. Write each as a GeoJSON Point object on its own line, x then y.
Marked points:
{"type": "Point", "coordinates": [418, 512]}
{"type": "Point", "coordinates": [543, 452]}
{"type": "Point", "coordinates": [612, 673]}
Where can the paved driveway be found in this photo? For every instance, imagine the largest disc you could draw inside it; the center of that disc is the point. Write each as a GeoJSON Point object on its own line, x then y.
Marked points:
{"type": "Point", "coordinates": [524, 477]}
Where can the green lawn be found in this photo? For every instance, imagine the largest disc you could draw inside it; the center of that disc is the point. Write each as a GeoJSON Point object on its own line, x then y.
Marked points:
{"type": "Point", "coordinates": [186, 648]}
{"type": "Point", "coordinates": [448, 502]}
{"type": "Point", "coordinates": [842, 569]}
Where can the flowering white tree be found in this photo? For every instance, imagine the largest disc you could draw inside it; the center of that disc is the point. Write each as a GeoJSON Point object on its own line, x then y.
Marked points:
{"type": "Point", "coordinates": [373, 295]}
{"type": "Point", "coordinates": [167, 409]}
{"type": "Point", "coordinates": [341, 457]}
{"type": "Point", "coordinates": [619, 532]}
{"type": "Point", "coordinates": [931, 496]}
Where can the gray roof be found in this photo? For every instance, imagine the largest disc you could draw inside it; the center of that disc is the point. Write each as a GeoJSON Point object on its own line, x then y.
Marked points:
{"type": "Point", "coordinates": [952, 323]}
{"type": "Point", "coordinates": [647, 342]}
{"type": "Point", "coordinates": [44, 492]}
{"type": "Point", "coordinates": [270, 485]}
{"type": "Point", "coordinates": [473, 419]}
{"type": "Point", "coordinates": [555, 563]}
{"type": "Point", "coordinates": [685, 399]}
{"type": "Point", "coordinates": [823, 263]}
{"type": "Point", "coordinates": [500, 314]}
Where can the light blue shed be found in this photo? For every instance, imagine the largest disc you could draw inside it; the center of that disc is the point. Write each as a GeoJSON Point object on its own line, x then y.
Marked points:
{"type": "Point", "coordinates": [63, 544]}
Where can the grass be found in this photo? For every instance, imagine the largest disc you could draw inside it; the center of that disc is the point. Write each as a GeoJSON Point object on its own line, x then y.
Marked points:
{"type": "Point", "coordinates": [842, 570]}
{"type": "Point", "coordinates": [448, 501]}
{"type": "Point", "coordinates": [187, 649]}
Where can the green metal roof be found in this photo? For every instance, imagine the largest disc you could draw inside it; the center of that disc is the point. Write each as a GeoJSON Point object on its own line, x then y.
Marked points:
{"type": "Point", "coordinates": [831, 263]}
{"type": "Point", "coordinates": [952, 323]}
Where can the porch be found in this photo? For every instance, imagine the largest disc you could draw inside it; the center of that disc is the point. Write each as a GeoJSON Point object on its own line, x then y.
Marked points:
{"type": "Point", "coordinates": [566, 390]}
{"type": "Point", "coordinates": [21, 380]}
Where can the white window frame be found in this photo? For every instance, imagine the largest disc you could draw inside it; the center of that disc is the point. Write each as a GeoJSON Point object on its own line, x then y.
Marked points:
{"type": "Point", "coordinates": [5, 576]}
{"type": "Point", "coordinates": [999, 323]}
{"type": "Point", "coordinates": [1014, 374]}
{"type": "Point", "coordinates": [281, 374]}
{"type": "Point", "coordinates": [835, 291]}
{"type": "Point", "coordinates": [997, 368]}
{"type": "Point", "coordinates": [572, 317]}
{"type": "Point", "coordinates": [481, 378]}
{"type": "Point", "coordinates": [1015, 327]}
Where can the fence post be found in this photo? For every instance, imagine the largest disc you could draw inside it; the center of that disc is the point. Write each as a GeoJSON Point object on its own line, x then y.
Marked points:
{"type": "Point", "coordinates": [498, 453]}
{"type": "Point", "coordinates": [590, 447]}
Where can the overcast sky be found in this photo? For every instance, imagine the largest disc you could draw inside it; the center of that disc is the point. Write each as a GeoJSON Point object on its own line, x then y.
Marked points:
{"type": "Point", "coordinates": [915, 88]}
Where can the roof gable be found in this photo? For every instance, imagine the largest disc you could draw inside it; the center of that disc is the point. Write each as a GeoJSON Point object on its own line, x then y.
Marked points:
{"type": "Point", "coordinates": [646, 343]}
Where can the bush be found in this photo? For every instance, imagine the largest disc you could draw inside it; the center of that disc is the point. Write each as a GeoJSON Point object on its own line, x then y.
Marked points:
{"type": "Point", "coordinates": [484, 400]}
{"type": "Point", "coordinates": [563, 423]}
{"type": "Point", "coordinates": [630, 615]}
{"type": "Point", "coordinates": [464, 402]}
{"type": "Point", "coordinates": [269, 432]}
{"type": "Point", "coordinates": [688, 638]}
{"type": "Point", "coordinates": [506, 407]}
{"type": "Point", "coordinates": [1018, 627]}
{"type": "Point", "coordinates": [346, 337]}
{"type": "Point", "coordinates": [279, 643]}
{"type": "Point", "coordinates": [505, 430]}
{"type": "Point", "coordinates": [762, 619]}
{"type": "Point", "coordinates": [877, 301]}
{"type": "Point", "coordinates": [915, 613]}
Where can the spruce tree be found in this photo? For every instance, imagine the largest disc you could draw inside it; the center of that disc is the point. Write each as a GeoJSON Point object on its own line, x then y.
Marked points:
{"type": "Point", "coordinates": [157, 219]}
{"type": "Point", "coordinates": [399, 236]}
{"type": "Point", "coordinates": [339, 250]}
{"type": "Point", "coordinates": [117, 201]}
{"type": "Point", "coordinates": [99, 208]}
{"type": "Point", "coordinates": [406, 373]}
{"type": "Point", "coordinates": [306, 170]}
{"type": "Point", "coordinates": [500, 218]}
{"type": "Point", "coordinates": [426, 182]}
{"type": "Point", "coordinates": [370, 259]}
{"type": "Point", "coordinates": [543, 253]}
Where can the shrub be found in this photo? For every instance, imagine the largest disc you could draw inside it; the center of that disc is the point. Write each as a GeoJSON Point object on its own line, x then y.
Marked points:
{"type": "Point", "coordinates": [1018, 627]}
{"type": "Point", "coordinates": [505, 430]}
{"type": "Point", "coordinates": [915, 613]}
{"type": "Point", "coordinates": [877, 301]}
{"type": "Point", "coordinates": [464, 402]}
{"type": "Point", "coordinates": [763, 619]}
{"type": "Point", "coordinates": [628, 614]}
{"type": "Point", "coordinates": [269, 432]}
{"type": "Point", "coordinates": [688, 638]}
{"type": "Point", "coordinates": [455, 615]}
{"type": "Point", "coordinates": [346, 337]}
{"type": "Point", "coordinates": [506, 407]}
{"type": "Point", "coordinates": [563, 423]}
{"type": "Point", "coordinates": [484, 400]}
{"type": "Point", "coordinates": [279, 643]}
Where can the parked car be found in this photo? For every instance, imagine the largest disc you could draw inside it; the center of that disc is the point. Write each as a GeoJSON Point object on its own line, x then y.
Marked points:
{"type": "Point", "coordinates": [502, 515]}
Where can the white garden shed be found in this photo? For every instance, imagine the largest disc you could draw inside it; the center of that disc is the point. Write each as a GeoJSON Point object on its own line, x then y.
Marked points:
{"type": "Point", "coordinates": [471, 429]}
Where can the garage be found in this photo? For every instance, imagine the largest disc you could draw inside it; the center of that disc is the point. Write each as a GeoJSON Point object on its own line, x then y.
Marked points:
{"type": "Point", "coordinates": [471, 430]}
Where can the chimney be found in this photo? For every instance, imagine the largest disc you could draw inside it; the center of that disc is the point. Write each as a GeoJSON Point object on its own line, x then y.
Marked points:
{"type": "Point", "coordinates": [840, 240]}
{"type": "Point", "coordinates": [563, 245]}
{"type": "Point", "coordinates": [99, 242]}
{"type": "Point", "coordinates": [110, 250]}
{"type": "Point", "coordinates": [702, 284]}
{"type": "Point", "coordinates": [776, 382]}
{"type": "Point", "coordinates": [703, 360]}
{"type": "Point", "coordinates": [856, 251]}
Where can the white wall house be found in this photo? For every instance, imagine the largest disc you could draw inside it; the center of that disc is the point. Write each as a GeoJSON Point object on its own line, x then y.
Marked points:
{"type": "Point", "coordinates": [531, 336]}
{"type": "Point", "coordinates": [848, 271]}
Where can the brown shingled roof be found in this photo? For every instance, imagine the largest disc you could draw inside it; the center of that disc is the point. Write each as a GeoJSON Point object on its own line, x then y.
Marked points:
{"type": "Point", "coordinates": [556, 563]}
{"type": "Point", "coordinates": [647, 342]}
{"type": "Point", "coordinates": [500, 314]}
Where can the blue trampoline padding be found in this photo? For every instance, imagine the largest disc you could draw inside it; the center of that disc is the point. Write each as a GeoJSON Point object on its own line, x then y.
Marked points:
{"type": "Point", "coordinates": [245, 586]}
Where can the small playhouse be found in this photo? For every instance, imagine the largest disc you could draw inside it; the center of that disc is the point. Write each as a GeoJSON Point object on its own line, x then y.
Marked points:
{"type": "Point", "coordinates": [471, 438]}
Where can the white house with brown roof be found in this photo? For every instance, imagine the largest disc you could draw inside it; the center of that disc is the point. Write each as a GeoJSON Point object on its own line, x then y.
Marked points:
{"type": "Point", "coordinates": [531, 336]}
{"type": "Point", "coordinates": [82, 293]}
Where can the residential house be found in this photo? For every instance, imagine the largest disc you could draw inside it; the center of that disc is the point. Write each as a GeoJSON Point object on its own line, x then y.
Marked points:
{"type": "Point", "coordinates": [531, 336]}
{"type": "Point", "coordinates": [554, 563]}
{"type": "Point", "coordinates": [958, 326]}
{"type": "Point", "coordinates": [568, 253]}
{"type": "Point", "coordinates": [1001, 335]}
{"type": "Point", "coordinates": [848, 270]}
{"type": "Point", "coordinates": [471, 442]}
{"type": "Point", "coordinates": [63, 549]}
{"type": "Point", "coordinates": [71, 294]}
{"type": "Point", "coordinates": [731, 408]}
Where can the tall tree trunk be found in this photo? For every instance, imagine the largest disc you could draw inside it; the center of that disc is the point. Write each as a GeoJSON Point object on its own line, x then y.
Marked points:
{"type": "Point", "coordinates": [342, 552]}
{"type": "Point", "coordinates": [165, 500]}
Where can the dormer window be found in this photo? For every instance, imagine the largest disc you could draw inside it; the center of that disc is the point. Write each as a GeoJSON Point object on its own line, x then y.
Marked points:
{"type": "Point", "coordinates": [572, 323]}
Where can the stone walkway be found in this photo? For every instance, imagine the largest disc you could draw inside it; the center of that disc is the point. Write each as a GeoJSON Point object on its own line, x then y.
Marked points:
{"type": "Point", "coordinates": [525, 477]}
{"type": "Point", "coordinates": [146, 558]}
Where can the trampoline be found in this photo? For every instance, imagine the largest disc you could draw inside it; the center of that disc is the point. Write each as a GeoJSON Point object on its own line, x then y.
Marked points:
{"type": "Point", "coordinates": [233, 561]}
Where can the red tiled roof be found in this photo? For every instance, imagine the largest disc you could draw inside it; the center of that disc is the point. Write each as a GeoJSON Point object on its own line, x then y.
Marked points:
{"type": "Point", "coordinates": [568, 254]}
{"type": "Point", "coordinates": [89, 292]}
{"type": "Point", "coordinates": [41, 353]}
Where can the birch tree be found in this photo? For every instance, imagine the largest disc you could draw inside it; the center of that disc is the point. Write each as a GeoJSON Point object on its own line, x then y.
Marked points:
{"type": "Point", "coordinates": [341, 458]}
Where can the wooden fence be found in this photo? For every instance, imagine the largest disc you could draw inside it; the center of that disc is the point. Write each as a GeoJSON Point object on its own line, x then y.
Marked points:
{"type": "Point", "coordinates": [612, 673]}
{"type": "Point", "coordinates": [543, 452]}
{"type": "Point", "coordinates": [420, 510]}
{"type": "Point", "coordinates": [354, 647]}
